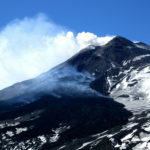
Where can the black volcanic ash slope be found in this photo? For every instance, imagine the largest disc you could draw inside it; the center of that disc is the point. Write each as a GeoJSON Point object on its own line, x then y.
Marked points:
{"type": "Point", "coordinates": [74, 118]}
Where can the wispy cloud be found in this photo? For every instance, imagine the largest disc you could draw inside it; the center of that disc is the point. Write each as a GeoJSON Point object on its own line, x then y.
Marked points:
{"type": "Point", "coordinates": [31, 46]}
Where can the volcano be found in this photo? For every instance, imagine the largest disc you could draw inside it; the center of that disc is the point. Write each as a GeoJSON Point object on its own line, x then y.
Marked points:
{"type": "Point", "coordinates": [98, 99]}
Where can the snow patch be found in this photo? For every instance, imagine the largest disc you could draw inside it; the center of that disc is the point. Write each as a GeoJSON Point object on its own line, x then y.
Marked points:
{"type": "Point", "coordinates": [84, 145]}
{"type": "Point", "coordinates": [43, 139]}
{"type": "Point", "coordinates": [20, 130]}
{"type": "Point", "coordinates": [57, 133]}
{"type": "Point", "coordinates": [129, 136]}
{"type": "Point", "coordinates": [10, 133]}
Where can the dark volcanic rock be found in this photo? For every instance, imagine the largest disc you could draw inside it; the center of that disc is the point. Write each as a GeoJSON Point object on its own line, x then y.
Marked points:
{"type": "Point", "coordinates": [81, 116]}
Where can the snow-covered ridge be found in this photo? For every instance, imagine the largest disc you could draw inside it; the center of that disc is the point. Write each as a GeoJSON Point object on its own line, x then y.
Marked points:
{"type": "Point", "coordinates": [141, 57]}
{"type": "Point", "coordinates": [142, 45]}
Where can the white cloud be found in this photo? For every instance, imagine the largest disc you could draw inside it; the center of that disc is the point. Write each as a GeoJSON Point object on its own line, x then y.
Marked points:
{"type": "Point", "coordinates": [87, 38]}
{"type": "Point", "coordinates": [31, 46]}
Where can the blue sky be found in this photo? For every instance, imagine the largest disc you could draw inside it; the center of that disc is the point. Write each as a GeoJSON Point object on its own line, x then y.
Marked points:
{"type": "Point", "coordinates": [128, 18]}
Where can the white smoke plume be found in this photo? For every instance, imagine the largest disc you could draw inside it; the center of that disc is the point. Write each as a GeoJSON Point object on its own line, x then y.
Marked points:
{"type": "Point", "coordinates": [31, 46]}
